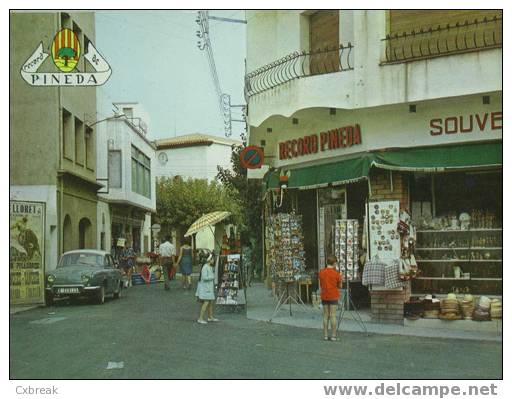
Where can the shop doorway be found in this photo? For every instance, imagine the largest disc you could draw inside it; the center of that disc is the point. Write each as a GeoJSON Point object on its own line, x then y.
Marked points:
{"type": "Point", "coordinates": [136, 239]}
{"type": "Point", "coordinates": [307, 208]}
{"type": "Point", "coordinates": [332, 205]}
{"type": "Point", "coordinates": [67, 235]}
{"type": "Point", "coordinates": [84, 234]}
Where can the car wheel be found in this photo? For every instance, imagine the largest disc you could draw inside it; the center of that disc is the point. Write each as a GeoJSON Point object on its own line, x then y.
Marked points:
{"type": "Point", "coordinates": [117, 294]}
{"type": "Point", "coordinates": [48, 298]}
{"type": "Point", "coordinates": [100, 296]}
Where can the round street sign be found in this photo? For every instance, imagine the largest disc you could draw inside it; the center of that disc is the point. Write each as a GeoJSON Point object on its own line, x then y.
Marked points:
{"type": "Point", "coordinates": [252, 157]}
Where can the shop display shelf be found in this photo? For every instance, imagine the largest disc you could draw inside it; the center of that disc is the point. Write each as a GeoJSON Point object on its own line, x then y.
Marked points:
{"type": "Point", "coordinates": [442, 278]}
{"type": "Point", "coordinates": [444, 249]}
{"type": "Point", "coordinates": [459, 230]}
{"type": "Point", "coordinates": [487, 278]}
{"type": "Point", "coordinates": [458, 260]}
{"type": "Point", "coordinates": [442, 296]}
{"type": "Point", "coordinates": [491, 248]}
{"type": "Point", "coordinates": [461, 278]}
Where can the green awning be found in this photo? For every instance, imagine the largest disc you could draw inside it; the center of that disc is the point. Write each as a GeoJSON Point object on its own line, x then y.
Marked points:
{"type": "Point", "coordinates": [420, 159]}
{"type": "Point", "coordinates": [440, 158]}
{"type": "Point", "coordinates": [340, 172]}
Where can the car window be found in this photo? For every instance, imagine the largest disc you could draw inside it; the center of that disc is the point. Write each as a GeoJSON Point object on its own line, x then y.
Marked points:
{"type": "Point", "coordinates": [81, 259]}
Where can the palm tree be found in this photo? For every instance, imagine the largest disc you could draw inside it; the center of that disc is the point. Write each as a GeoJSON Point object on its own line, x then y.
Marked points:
{"type": "Point", "coordinates": [66, 53]}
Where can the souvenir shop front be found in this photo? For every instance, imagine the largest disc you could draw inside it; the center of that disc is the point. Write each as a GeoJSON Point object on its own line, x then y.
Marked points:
{"type": "Point", "coordinates": [413, 225]}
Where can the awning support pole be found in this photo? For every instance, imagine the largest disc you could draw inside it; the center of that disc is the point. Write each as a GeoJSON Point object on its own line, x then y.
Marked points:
{"type": "Point", "coordinates": [369, 188]}
{"type": "Point", "coordinates": [391, 180]}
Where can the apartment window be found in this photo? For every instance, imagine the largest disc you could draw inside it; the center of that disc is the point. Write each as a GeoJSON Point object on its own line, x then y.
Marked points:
{"type": "Point", "coordinates": [90, 159]}
{"type": "Point", "coordinates": [430, 33]}
{"type": "Point", "coordinates": [68, 136]}
{"type": "Point", "coordinates": [141, 173]}
{"type": "Point", "coordinates": [114, 169]}
{"type": "Point", "coordinates": [324, 39]}
{"type": "Point", "coordinates": [79, 142]}
{"type": "Point", "coordinates": [65, 20]}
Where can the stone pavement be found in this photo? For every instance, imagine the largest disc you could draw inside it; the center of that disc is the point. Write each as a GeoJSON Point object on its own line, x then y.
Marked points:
{"type": "Point", "coordinates": [261, 306]}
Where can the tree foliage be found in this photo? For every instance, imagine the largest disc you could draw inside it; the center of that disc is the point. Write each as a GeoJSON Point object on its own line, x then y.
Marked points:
{"type": "Point", "coordinates": [249, 194]}
{"type": "Point", "coordinates": [179, 203]}
{"type": "Point", "coordinates": [66, 53]}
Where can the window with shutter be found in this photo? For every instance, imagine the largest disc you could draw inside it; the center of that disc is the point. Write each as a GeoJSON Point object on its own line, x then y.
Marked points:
{"type": "Point", "coordinates": [431, 33]}
{"type": "Point", "coordinates": [324, 41]}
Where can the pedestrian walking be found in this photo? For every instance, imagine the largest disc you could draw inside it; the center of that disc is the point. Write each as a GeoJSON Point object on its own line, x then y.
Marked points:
{"type": "Point", "coordinates": [185, 263]}
{"type": "Point", "coordinates": [167, 254]}
{"type": "Point", "coordinates": [330, 285]}
{"type": "Point", "coordinates": [206, 290]}
{"type": "Point", "coordinates": [127, 262]}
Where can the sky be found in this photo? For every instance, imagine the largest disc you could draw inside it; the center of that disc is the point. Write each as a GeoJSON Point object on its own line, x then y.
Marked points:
{"type": "Point", "coordinates": [156, 62]}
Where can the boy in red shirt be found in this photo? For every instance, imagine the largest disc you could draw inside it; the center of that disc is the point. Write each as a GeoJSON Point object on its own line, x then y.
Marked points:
{"type": "Point", "coordinates": [330, 284]}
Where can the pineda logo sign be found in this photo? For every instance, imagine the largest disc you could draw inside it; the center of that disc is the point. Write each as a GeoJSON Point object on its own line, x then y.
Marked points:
{"type": "Point", "coordinates": [65, 51]}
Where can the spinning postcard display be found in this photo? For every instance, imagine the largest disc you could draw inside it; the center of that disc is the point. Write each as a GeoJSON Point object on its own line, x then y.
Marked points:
{"type": "Point", "coordinates": [288, 256]}
{"type": "Point", "coordinates": [383, 235]}
{"type": "Point", "coordinates": [230, 284]}
{"type": "Point", "coordinates": [346, 247]}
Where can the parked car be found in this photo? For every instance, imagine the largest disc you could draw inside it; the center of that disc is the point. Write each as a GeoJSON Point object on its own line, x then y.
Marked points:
{"type": "Point", "coordinates": [84, 272]}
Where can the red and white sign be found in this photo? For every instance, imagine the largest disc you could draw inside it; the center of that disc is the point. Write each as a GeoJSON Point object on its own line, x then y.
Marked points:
{"type": "Point", "coordinates": [343, 137]}
{"type": "Point", "coordinates": [467, 123]}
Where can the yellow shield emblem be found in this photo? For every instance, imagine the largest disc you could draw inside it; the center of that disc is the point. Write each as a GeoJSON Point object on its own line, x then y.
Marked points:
{"type": "Point", "coordinates": [65, 50]}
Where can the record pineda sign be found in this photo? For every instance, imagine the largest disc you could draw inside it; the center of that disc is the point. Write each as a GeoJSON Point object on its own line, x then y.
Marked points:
{"type": "Point", "coordinates": [342, 137]}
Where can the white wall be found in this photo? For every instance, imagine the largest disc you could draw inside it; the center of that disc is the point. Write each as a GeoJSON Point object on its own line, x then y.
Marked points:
{"type": "Point", "coordinates": [198, 162]}
{"type": "Point", "coordinates": [48, 195]}
{"type": "Point", "coordinates": [104, 215]}
{"type": "Point", "coordinates": [124, 136]}
{"type": "Point", "coordinates": [146, 231]}
{"type": "Point", "coordinates": [383, 127]}
{"type": "Point", "coordinates": [369, 84]}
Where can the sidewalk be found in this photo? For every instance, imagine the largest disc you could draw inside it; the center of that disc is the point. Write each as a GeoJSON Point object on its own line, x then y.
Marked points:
{"type": "Point", "coordinates": [261, 305]}
{"type": "Point", "coordinates": [13, 309]}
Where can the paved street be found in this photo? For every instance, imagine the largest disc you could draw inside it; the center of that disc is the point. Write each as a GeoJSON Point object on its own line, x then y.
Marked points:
{"type": "Point", "coordinates": [155, 334]}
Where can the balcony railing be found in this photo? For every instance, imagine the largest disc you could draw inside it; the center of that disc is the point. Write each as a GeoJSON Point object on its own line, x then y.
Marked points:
{"type": "Point", "coordinates": [444, 40]}
{"type": "Point", "coordinates": [297, 65]}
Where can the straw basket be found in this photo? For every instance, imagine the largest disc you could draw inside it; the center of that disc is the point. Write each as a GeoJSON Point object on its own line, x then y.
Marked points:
{"type": "Point", "coordinates": [496, 309]}
{"type": "Point", "coordinates": [467, 306]}
{"type": "Point", "coordinates": [484, 303]}
{"type": "Point", "coordinates": [431, 314]}
{"type": "Point", "coordinates": [449, 306]}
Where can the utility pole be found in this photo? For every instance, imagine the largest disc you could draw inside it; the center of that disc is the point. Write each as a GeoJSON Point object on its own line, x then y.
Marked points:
{"type": "Point", "coordinates": [204, 44]}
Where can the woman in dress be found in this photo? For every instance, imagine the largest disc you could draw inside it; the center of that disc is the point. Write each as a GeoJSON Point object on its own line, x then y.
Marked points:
{"type": "Point", "coordinates": [206, 290]}
{"type": "Point", "coordinates": [185, 263]}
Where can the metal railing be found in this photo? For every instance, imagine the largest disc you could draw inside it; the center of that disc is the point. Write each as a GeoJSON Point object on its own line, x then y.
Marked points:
{"type": "Point", "coordinates": [297, 65]}
{"type": "Point", "coordinates": [444, 40]}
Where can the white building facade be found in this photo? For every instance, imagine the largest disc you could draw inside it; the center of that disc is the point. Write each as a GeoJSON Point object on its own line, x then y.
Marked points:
{"type": "Point", "coordinates": [193, 156]}
{"type": "Point", "coordinates": [374, 105]}
{"type": "Point", "coordinates": [126, 158]}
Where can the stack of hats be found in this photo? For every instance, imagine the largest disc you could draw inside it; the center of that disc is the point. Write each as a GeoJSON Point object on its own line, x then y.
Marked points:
{"type": "Point", "coordinates": [432, 307]}
{"type": "Point", "coordinates": [468, 306]}
{"type": "Point", "coordinates": [496, 309]}
{"type": "Point", "coordinates": [481, 312]}
{"type": "Point", "coordinates": [450, 308]}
